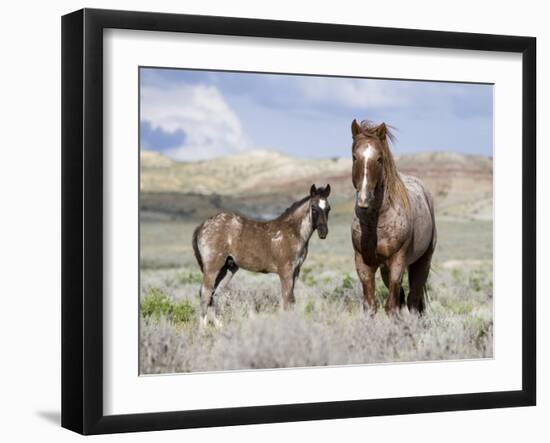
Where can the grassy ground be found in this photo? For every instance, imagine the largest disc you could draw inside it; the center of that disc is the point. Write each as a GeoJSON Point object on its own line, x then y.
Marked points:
{"type": "Point", "coordinates": [327, 325]}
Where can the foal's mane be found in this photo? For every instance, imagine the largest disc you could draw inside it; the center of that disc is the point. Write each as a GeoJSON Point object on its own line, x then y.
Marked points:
{"type": "Point", "coordinates": [395, 190]}
{"type": "Point", "coordinates": [293, 207]}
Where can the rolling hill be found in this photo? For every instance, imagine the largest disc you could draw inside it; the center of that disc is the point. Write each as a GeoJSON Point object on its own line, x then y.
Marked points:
{"type": "Point", "coordinates": [264, 182]}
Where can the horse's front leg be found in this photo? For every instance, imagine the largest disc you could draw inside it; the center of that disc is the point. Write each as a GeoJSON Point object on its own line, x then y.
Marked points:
{"type": "Point", "coordinates": [287, 277]}
{"type": "Point", "coordinates": [366, 275]}
{"type": "Point", "coordinates": [396, 269]}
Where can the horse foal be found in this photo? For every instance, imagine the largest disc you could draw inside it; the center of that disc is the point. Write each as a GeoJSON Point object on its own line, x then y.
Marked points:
{"type": "Point", "coordinates": [227, 241]}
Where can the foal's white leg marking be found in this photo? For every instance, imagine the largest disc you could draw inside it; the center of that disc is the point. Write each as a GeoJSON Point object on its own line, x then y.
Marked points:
{"type": "Point", "coordinates": [217, 322]}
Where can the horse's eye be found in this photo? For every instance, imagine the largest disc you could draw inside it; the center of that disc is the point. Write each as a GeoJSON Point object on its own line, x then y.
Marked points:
{"type": "Point", "coordinates": [354, 158]}
{"type": "Point", "coordinates": [379, 160]}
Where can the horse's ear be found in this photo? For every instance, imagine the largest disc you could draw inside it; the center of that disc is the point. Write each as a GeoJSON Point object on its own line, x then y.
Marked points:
{"type": "Point", "coordinates": [381, 131]}
{"type": "Point", "coordinates": [313, 190]}
{"type": "Point", "coordinates": [326, 191]}
{"type": "Point", "coordinates": [355, 128]}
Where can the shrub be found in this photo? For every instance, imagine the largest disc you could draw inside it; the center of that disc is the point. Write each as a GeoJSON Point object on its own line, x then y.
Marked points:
{"type": "Point", "coordinates": [344, 293]}
{"type": "Point", "coordinates": [325, 327]}
{"type": "Point", "coordinates": [183, 312]}
{"type": "Point", "coordinates": [157, 304]}
{"type": "Point", "coordinates": [309, 307]}
{"type": "Point", "coordinates": [306, 276]}
{"type": "Point", "coordinates": [347, 282]}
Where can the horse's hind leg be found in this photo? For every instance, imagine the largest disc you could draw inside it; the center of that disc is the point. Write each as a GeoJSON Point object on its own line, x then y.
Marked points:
{"type": "Point", "coordinates": [224, 276]}
{"type": "Point", "coordinates": [386, 279]}
{"type": "Point", "coordinates": [418, 276]}
{"type": "Point", "coordinates": [206, 293]}
{"type": "Point", "coordinates": [211, 270]}
{"type": "Point", "coordinates": [213, 280]}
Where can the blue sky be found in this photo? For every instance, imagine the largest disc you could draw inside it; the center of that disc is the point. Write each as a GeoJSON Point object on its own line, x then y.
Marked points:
{"type": "Point", "coordinates": [194, 115]}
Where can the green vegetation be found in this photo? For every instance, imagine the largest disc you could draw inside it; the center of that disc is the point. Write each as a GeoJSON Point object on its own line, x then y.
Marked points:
{"type": "Point", "coordinates": [309, 308]}
{"type": "Point", "coordinates": [306, 276]}
{"type": "Point", "coordinates": [156, 305]}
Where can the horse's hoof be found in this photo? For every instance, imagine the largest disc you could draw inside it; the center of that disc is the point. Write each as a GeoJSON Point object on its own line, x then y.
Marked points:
{"type": "Point", "coordinates": [203, 322]}
{"type": "Point", "coordinates": [218, 324]}
{"type": "Point", "coordinates": [398, 315]}
{"type": "Point", "coordinates": [393, 311]}
{"type": "Point", "coordinates": [369, 312]}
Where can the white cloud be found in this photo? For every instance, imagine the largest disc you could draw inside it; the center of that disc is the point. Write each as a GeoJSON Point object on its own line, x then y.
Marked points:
{"type": "Point", "coordinates": [211, 127]}
{"type": "Point", "coordinates": [354, 93]}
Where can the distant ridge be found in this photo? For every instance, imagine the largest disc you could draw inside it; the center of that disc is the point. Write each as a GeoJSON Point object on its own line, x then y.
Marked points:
{"type": "Point", "coordinates": [254, 170]}
{"type": "Point", "coordinates": [153, 159]}
{"type": "Point", "coordinates": [461, 184]}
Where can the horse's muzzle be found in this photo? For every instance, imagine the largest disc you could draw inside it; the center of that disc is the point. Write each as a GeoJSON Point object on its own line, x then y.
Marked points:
{"type": "Point", "coordinates": [322, 233]}
{"type": "Point", "coordinates": [363, 201]}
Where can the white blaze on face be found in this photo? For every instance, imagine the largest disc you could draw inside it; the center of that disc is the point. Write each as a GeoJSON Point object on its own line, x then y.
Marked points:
{"type": "Point", "coordinates": [322, 203]}
{"type": "Point", "coordinates": [367, 154]}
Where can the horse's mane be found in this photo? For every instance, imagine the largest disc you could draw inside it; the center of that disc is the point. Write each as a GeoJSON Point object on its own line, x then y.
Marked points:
{"type": "Point", "coordinates": [395, 190]}
{"type": "Point", "coordinates": [294, 206]}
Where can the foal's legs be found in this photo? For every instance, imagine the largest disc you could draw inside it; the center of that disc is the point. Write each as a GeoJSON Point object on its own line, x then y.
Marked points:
{"type": "Point", "coordinates": [215, 275]}
{"type": "Point", "coordinates": [206, 292]}
{"type": "Point", "coordinates": [366, 275]}
{"type": "Point", "coordinates": [288, 279]}
{"type": "Point", "coordinates": [224, 277]}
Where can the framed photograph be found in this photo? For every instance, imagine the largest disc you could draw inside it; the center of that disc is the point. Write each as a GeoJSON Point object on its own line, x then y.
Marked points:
{"type": "Point", "coordinates": [269, 221]}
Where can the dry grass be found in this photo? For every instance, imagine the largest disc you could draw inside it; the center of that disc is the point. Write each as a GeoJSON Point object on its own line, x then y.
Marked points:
{"type": "Point", "coordinates": [326, 326]}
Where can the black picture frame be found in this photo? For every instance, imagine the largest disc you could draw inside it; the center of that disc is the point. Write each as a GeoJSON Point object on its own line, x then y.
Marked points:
{"type": "Point", "coordinates": [82, 220]}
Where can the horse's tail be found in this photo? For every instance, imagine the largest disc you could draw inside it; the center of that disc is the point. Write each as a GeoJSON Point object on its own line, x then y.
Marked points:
{"type": "Point", "coordinates": [432, 244]}
{"type": "Point", "coordinates": [434, 229]}
{"type": "Point", "coordinates": [196, 246]}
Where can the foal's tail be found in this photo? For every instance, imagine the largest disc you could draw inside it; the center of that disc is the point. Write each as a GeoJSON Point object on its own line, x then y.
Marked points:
{"type": "Point", "coordinates": [196, 246]}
